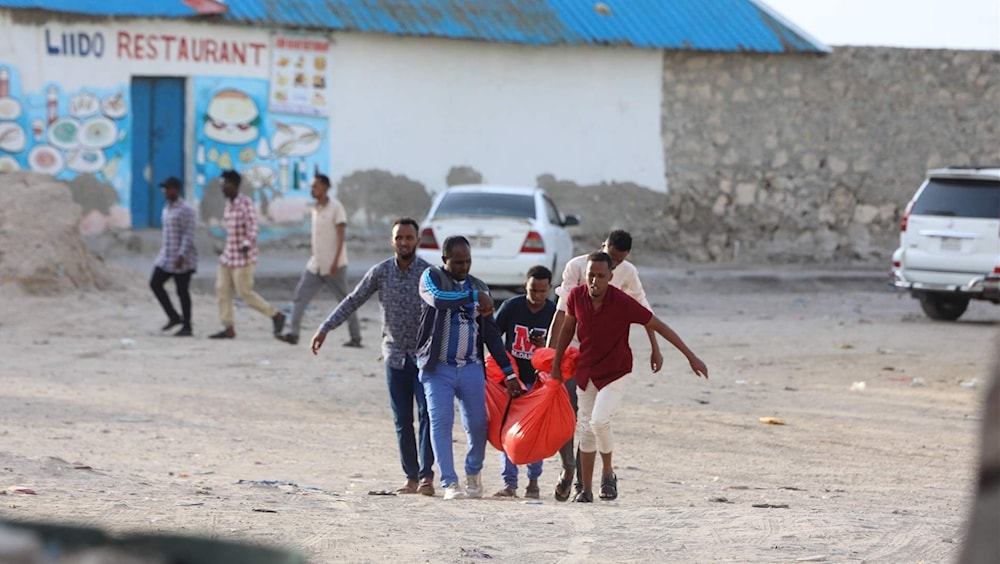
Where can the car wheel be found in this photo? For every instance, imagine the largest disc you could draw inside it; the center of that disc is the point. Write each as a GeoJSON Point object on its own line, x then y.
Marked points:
{"type": "Point", "coordinates": [943, 308]}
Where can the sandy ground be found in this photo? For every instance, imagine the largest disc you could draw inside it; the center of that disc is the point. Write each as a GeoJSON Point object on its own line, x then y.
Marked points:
{"type": "Point", "coordinates": [116, 425]}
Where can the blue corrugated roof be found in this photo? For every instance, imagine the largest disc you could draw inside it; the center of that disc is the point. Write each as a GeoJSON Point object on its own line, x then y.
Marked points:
{"type": "Point", "coordinates": [703, 25]}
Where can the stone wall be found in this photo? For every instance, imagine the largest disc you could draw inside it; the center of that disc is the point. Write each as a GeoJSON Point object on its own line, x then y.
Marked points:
{"type": "Point", "coordinates": [787, 158]}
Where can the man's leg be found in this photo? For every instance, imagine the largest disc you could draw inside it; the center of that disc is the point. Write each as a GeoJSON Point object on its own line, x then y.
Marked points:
{"type": "Point", "coordinates": [508, 472]}
{"type": "Point", "coordinates": [426, 473]}
{"type": "Point", "coordinates": [400, 383]}
{"type": "Point", "coordinates": [472, 402]}
{"type": "Point", "coordinates": [338, 283]}
{"type": "Point", "coordinates": [567, 454]}
{"type": "Point", "coordinates": [243, 280]}
{"type": "Point", "coordinates": [224, 294]}
{"type": "Point", "coordinates": [156, 282]}
{"type": "Point", "coordinates": [183, 283]}
{"type": "Point", "coordinates": [585, 437]}
{"type": "Point", "coordinates": [309, 285]}
{"type": "Point", "coordinates": [439, 388]}
{"type": "Point", "coordinates": [606, 405]}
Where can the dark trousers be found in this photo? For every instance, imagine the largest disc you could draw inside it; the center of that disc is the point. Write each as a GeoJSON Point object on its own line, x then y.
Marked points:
{"type": "Point", "coordinates": [567, 454]}
{"type": "Point", "coordinates": [404, 388]}
{"type": "Point", "coordinates": [182, 280]}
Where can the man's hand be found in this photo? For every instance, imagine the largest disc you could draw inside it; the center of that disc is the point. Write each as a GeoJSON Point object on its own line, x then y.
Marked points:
{"type": "Point", "coordinates": [317, 342]}
{"type": "Point", "coordinates": [333, 269]}
{"type": "Point", "coordinates": [179, 263]}
{"type": "Point", "coordinates": [538, 341]}
{"type": "Point", "coordinates": [556, 373]}
{"type": "Point", "coordinates": [656, 360]}
{"type": "Point", "coordinates": [699, 367]}
{"type": "Point", "coordinates": [485, 304]}
{"type": "Point", "coordinates": [514, 388]}
{"type": "Point", "coordinates": [245, 250]}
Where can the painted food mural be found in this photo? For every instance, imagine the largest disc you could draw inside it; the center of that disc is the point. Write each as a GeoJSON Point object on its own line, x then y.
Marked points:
{"type": "Point", "coordinates": [276, 154]}
{"type": "Point", "coordinates": [66, 134]}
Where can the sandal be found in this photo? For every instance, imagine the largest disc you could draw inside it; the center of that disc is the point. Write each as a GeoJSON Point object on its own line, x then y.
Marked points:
{"type": "Point", "coordinates": [426, 488]}
{"type": "Point", "coordinates": [407, 489]}
{"type": "Point", "coordinates": [563, 489]}
{"type": "Point", "coordinates": [532, 492]}
{"type": "Point", "coordinates": [609, 487]}
{"type": "Point", "coordinates": [584, 497]}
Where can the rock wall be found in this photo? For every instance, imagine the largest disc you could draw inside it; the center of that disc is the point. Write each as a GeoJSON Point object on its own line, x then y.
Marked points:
{"type": "Point", "coordinates": [784, 158]}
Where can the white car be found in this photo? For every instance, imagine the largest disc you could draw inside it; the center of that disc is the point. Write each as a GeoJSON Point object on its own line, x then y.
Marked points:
{"type": "Point", "coordinates": [949, 241]}
{"type": "Point", "coordinates": [510, 229]}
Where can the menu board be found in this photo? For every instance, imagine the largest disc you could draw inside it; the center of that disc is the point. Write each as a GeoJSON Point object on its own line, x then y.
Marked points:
{"type": "Point", "coordinates": [300, 73]}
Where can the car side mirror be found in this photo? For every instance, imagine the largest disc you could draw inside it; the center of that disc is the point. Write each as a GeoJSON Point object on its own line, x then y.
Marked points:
{"type": "Point", "coordinates": [571, 220]}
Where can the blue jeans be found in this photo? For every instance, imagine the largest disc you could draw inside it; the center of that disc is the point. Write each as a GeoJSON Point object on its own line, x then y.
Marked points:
{"type": "Point", "coordinates": [404, 387]}
{"type": "Point", "coordinates": [441, 386]}
{"type": "Point", "coordinates": [509, 472]}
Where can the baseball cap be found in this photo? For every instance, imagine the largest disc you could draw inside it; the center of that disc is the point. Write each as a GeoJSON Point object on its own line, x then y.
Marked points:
{"type": "Point", "coordinates": [172, 182]}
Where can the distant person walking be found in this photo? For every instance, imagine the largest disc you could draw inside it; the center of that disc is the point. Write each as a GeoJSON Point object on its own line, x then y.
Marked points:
{"type": "Point", "coordinates": [455, 323]}
{"type": "Point", "coordinates": [238, 259]}
{"type": "Point", "coordinates": [602, 315]}
{"type": "Point", "coordinates": [178, 258]}
{"type": "Point", "coordinates": [397, 282]}
{"type": "Point", "coordinates": [328, 264]}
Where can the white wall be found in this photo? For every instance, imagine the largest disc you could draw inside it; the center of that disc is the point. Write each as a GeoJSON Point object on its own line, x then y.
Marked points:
{"type": "Point", "coordinates": [420, 106]}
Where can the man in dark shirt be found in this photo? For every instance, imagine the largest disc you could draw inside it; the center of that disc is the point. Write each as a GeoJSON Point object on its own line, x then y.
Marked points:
{"type": "Point", "coordinates": [524, 320]}
{"type": "Point", "coordinates": [602, 315]}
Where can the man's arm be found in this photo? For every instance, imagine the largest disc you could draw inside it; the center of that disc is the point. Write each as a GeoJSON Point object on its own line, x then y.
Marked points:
{"type": "Point", "coordinates": [567, 330]}
{"type": "Point", "coordinates": [632, 286]}
{"type": "Point", "coordinates": [674, 339]}
{"type": "Point", "coordinates": [365, 289]}
{"type": "Point", "coordinates": [434, 296]}
{"type": "Point", "coordinates": [187, 236]}
{"type": "Point", "coordinates": [570, 277]}
{"type": "Point", "coordinates": [250, 221]}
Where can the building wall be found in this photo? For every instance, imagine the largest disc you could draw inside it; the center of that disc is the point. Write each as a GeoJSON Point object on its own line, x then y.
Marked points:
{"type": "Point", "coordinates": [804, 158]}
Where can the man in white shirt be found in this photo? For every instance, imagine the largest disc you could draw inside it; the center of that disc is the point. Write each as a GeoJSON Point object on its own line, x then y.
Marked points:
{"type": "Point", "coordinates": [328, 264]}
{"type": "Point", "coordinates": [626, 278]}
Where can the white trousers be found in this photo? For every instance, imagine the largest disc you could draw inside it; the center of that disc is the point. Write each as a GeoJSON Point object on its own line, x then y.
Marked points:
{"type": "Point", "coordinates": [597, 409]}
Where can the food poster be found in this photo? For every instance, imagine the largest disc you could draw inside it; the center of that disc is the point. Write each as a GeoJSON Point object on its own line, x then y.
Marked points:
{"type": "Point", "coordinates": [67, 134]}
{"type": "Point", "coordinates": [277, 154]}
{"type": "Point", "coordinates": [300, 75]}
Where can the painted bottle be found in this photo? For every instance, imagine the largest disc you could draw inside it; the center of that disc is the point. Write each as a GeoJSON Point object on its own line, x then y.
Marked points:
{"type": "Point", "coordinates": [51, 104]}
{"type": "Point", "coordinates": [283, 173]}
{"type": "Point", "coordinates": [4, 82]}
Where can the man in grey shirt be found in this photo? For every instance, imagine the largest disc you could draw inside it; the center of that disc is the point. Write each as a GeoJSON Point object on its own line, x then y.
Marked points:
{"type": "Point", "coordinates": [397, 281]}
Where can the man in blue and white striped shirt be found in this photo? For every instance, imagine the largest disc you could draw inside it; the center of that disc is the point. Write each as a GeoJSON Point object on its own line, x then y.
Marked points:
{"type": "Point", "coordinates": [178, 258]}
{"type": "Point", "coordinates": [455, 321]}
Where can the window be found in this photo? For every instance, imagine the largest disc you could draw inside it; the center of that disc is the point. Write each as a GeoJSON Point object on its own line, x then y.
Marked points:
{"type": "Point", "coordinates": [959, 198]}
{"type": "Point", "coordinates": [488, 204]}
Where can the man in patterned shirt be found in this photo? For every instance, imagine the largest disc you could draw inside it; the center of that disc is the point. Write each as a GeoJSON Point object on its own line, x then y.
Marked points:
{"type": "Point", "coordinates": [178, 258]}
{"type": "Point", "coordinates": [238, 258]}
{"type": "Point", "coordinates": [455, 322]}
{"type": "Point", "coordinates": [397, 282]}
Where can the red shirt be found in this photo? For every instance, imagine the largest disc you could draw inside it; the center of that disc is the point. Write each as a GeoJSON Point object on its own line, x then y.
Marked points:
{"type": "Point", "coordinates": [604, 352]}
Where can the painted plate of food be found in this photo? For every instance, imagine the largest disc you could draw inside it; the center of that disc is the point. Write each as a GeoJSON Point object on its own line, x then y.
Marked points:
{"type": "Point", "coordinates": [63, 133]}
{"type": "Point", "coordinates": [45, 159]}
{"type": "Point", "coordinates": [98, 133]}
{"type": "Point", "coordinates": [87, 161]}
{"type": "Point", "coordinates": [12, 138]}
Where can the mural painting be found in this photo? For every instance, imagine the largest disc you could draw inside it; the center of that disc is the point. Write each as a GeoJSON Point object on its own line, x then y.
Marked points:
{"type": "Point", "coordinates": [277, 154]}
{"type": "Point", "coordinates": [78, 136]}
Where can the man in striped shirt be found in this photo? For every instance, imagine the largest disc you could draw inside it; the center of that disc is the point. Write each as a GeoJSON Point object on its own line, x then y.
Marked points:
{"type": "Point", "coordinates": [455, 321]}
{"type": "Point", "coordinates": [178, 258]}
{"type": "Point", "coordinates": [238, 259]}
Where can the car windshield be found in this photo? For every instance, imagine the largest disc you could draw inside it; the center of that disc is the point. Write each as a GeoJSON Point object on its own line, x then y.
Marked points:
{"type": "Point", "coordinates": [486, 204]}
{"type": "Point", "coordinates": [959, 198]}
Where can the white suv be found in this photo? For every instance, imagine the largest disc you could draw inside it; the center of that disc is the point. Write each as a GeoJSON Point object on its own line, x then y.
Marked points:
{"type": "Point", "coordinates": [949, 241]}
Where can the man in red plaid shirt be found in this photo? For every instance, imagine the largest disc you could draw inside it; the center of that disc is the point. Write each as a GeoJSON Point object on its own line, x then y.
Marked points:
{"type": "Point", "coordinates": [238, 259]}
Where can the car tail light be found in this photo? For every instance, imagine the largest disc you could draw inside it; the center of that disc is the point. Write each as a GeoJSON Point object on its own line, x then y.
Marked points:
{"type": "Point", "coordinates": [427, 240]}
{"type": "Point", "coordinates": [906, 216]}
{"type": "Point", "coordinates": [896, 264]}
{"type": "Point", "coordinates": [533, 243]}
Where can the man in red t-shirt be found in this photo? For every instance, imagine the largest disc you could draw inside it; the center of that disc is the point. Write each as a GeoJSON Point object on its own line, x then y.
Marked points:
{"type": "Point", "coordinates": [602, 315]}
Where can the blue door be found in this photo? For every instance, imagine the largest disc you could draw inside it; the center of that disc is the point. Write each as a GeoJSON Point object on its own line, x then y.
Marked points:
{"type": "Point", "coordinates": [157, 143]}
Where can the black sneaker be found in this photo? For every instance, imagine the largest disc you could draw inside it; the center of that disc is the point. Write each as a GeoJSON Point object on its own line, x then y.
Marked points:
{"type": "Point", "coordinates": [354, 344]}
{"type": "Point", "coordinates": [278, 322]}
{"type": "Point", "coordinates": [184, 332]}
{"type": "Point", "coordinates": [171, 324]}
{"type": "Point", "coordinates": [289, 338]}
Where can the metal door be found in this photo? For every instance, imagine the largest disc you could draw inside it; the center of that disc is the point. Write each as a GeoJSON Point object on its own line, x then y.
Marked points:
{"type": "Point", "coordinates": [157, 143]}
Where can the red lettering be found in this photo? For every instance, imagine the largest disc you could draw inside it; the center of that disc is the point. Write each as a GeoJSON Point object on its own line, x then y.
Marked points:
{"type": "Point", "coordinates": [240, 53]}
{"type": "Point", "coordinates": [210, 47]}
{"type": "Point", "coordinates": [224, 52]}
{"type": "Point", "coordinates": [168, 39]}
{"type": "Point", "coordinates": [151, 45]}
{"type": "Point", "coordinates": [197, 50]}
{"type": "Point", "coordinates": [256, 52]}
{"type": "Point", "coordinates": [521, 341]}
{"type": "Point", "coordinates": [138, 45]}
{"type": "Point", "coordinates": [182, 50]}
{"type": "Point", "coordinates": [123, 45]}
